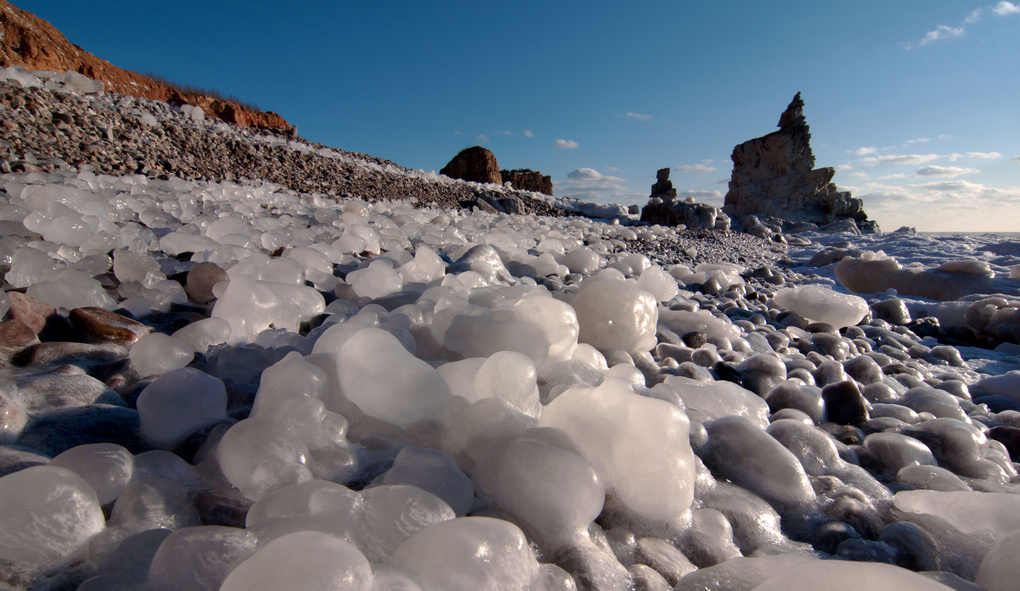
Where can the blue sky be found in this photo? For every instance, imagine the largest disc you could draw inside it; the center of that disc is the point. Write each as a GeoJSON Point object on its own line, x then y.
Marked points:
{"type": "Point", "coordinates": [915, 102]}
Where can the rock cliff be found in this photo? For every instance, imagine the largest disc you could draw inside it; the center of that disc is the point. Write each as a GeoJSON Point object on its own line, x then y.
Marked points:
{"type": "Point", "coordinates": [774, 175]}
{"type": "Point", "coordinates": [29, 41]}
{"type": "Point", "coordinates": [474, 164]}
{"type": "Point", "coordinates": [528, 180]}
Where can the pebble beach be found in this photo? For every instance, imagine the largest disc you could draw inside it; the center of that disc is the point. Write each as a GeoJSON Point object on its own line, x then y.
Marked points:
{"type": "Point", "coordinates": [232, 360]}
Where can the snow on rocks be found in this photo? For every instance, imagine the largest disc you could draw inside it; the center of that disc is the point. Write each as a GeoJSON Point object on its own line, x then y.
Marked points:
{"type": "Point", "coordinates": [235, 385]}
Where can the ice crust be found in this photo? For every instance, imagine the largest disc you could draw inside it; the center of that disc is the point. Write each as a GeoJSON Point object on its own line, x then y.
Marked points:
{"type": "Point", "coordinates": [378, 396]}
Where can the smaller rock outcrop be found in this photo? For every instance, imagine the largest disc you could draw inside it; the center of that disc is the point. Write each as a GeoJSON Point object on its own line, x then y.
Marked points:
{"type": "Point", "coordinates": [474, 164]}
{"type": "Point", "coordinates": [527, 180]}
{"type": "Point", "coordinates": [774, 176]}
{"type": "Point", "coordinates": [663, 208]}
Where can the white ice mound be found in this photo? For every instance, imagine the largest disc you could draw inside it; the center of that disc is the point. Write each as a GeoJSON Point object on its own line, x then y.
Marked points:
{"type": "Point", "coordinates": [47, 513]}
{"type": "Point", "coordinates": [616, 315]}
{"type": "Point", "coordinates": [639, 446]}
{"type": "Point", "coordinates": [1000, 569]}
{"type": "Point", "coordinates": [156, 353]}
{"type": "Point", "coordinates": [311, 561]}
{"type": "Point", "coordinates": [380, 376]}
{"type": "Point", "coordinates": [178, 404]}
{"type": "Point", "coordinates": [467, 554]}
{"type": "Point", "coordinates": [716, 399]}
{"type": "Point", "coordinates": [257, 456]}
{"type": "Point", "coordinates": [845, 575]}
{"type": "Point", "coordinates": [994, 514]}
{"type": "Point", "coordinates": [538, 478]}
{"type": "Point", "coordinates": [106, 466]}
{"type": "Point", "coordinates": [819, 304]}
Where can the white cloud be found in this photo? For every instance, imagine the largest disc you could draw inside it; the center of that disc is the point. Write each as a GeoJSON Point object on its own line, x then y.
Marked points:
{"type": "Point", "coordinates": [919, 140]}
{"type": "Point", "coordinates": [694, 168]}
{"type": "Point", "coordinates": [942, 32]}
{"type": "Point", "coordinates": [946, 205]}
{"type": "Point", "coordinates": [863, 151]}
{"type": "Point", "coordinates": [565, 144]}
{"type": "Point", "coordinates": [458, 132]}
{"type": "Point", "coordinates": [638, 116]}
{"type": "Point", "coordinates": [984, 155]}
{"type": "Point", "coordinates": [591, 185]}
{"type": "Point", "coordinates": [899, 159]}
{"type": "Point", "coordinates": [1006, 8]}
{"type": "Point", "coordinates": [974, 16]}
{"type": "Point", "coordinates": [946, 171]}
{"type": "Point", "coordinates": [860, 174]}
{"type": "Point", "coordinates": [482, 138]}
{"type": "Point", "coordinates": [527, 133]}
{"type": "Point", "coordinates": [844, 167]}
{"type": "Point", "coordinates": [1015, 159]}
{"type": "Point", "coordinates": [892, 177]}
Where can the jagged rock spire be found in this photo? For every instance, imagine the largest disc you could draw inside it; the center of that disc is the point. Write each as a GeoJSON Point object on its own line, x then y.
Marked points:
{"type": "Point", "coordinates": [793, 116]}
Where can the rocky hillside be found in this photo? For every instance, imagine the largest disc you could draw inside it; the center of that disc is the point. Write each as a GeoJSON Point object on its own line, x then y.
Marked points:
{"type": "Point", "coordinates": [29, 41]}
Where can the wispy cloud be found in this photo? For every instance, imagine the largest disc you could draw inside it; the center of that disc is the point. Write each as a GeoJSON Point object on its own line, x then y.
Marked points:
{"type": "Point", "coordinates": [565, 144]}
{"type": "Point", "coordinates": [944, 32]}
{"type": "Point", "coordinates": [482, 138]}
{"type": "Point", "coordinates": [591, 185]}
{"type": "Point", "coordinates": [694, 168]}
{"type": "Point", "coordinates": [919, 140]}
{"type": "Point", "coordinates": [527, 133]}
{"type": "Point", "coordinates": [1006, 9]}
{"type": "Point", "coordinates": [899, 159]}
{"type": "Point", "coordinates": [984, 155]}
{"type": "Point", "coordinates": [638, 116]}
{"type": "Point", "coordinates": [941, 33]}
{"type": "Point", "coordinates": [1015, 159]}
{"type": "Point", "coordinates": [863, 151]}
{"type": "Point", "coordinates": [944, 205]}
{"type": "Point", "coordinates": [945, 171]}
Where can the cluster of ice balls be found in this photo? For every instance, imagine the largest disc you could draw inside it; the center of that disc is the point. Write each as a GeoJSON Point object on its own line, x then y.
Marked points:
{"type": "Point", "coordinates": [431, 329]}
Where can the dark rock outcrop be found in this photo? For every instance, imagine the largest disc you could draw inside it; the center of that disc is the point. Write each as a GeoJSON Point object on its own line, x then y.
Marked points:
{"type": "Point", "coordinates": [774, 176]}
{"type": "Point", "coordinates": [528, 180]}
{"type": "Point", "coordinates": [663, 208]}
{"type": "Point", "coordinates": [29, 41]}
{"type": "Point", "coordinates": [474, 164]}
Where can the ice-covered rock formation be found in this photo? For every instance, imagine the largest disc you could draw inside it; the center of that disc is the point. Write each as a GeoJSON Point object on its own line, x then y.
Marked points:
{"type": "Point", "coordinates": [664, 209]}
{"type": "Point", "coordinates": [774, 175]}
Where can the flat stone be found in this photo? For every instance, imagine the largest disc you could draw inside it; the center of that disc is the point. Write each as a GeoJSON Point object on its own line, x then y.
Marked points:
{"type": "Point", "coordinates": [15, 335]}
{"type": "Point", "coordinates": [29, 311]}
{"type": "Point", "coordinates": [104, 326]}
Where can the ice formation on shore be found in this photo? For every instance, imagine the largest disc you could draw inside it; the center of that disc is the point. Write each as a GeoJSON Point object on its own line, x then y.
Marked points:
{"type": "Point", "coordinates": [234, 386]}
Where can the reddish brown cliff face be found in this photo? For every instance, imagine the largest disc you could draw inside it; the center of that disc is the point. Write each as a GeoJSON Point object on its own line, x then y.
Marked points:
{"type": "Point", "coordinates": [35, 44]}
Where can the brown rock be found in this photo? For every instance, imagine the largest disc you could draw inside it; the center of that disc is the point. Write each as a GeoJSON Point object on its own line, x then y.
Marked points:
{"type": "Point", "coordinates": [201, 279]}
{"type": "Point", "coordinates": [527, 180]}
{"type": "Point", "coordinates": [29, 41]}
{"type": "Point", "coordinates": [29, 311]}
{"type": "Point", "coordinates": [774, 175]}
{"type": "Point", "coordinates": [103, 326]}
{"type": "Point", "coordinates": [474, 164]}
{"type": "Point", "coordinates": [15, 335]}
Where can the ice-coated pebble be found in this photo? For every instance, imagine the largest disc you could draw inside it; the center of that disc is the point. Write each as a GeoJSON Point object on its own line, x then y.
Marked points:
{"type": "Point", "coordinates": [484, 260]}
{"type": "Point", "coordinates": [930, 478]}
{"type": "Point", "coordinates": [257, 457]}
{"type": "Point", "coordinates": [156, 354]}
{"type": "Point", "coordinates": [179, 403]}
{"type": "Point", "coordinates": [892, 452]}
{"type": "Point", "coordinates": [71, 289]}
{"type": "Point", "coordinates": [639, 446]}
{"type": "Point", "coordinates": [151, 503]}
{"type": "Point", "coordinates": [198, 557]}
{"type": "Point", "coordinates": [433, 471]}
{"type": "Point", "coordinates": [742, 574]}
{"type": "Point", "coordinates": [819, 304]}
{"type": "Point", "coordinates": [204, 333]}
{"type": "Point", "coordinates": [48, 512]}
{"type": "Point", "coordinates": [377, 280]}
{"type": "Point", "coordinates": [616, 315]}
{"type": "Point", "coordinates": [987, 513]}
{"type": "Point", "coordinates": [845, 575]}
{"type": "Point", "coordinates": [107, 467]}
{"type": "Point", "coordinates": [395, 512]}
{"type": "Point", "coordinates": [1000, 570]}
{"type": "Point", "coordinates": [658, 282]}
{"type": "Point", "coordinates": [468, 553]}
{"type": "Point", "coordinates": [379, 375]}
{"type": "Point", "coordinates": [716, 399]}
{"type": "Point", "coordinates": [538, 478]}
{"type": "Point", "coordinates": [304, 560]}
{"type": "Point", "coordinates": [750, 457]}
